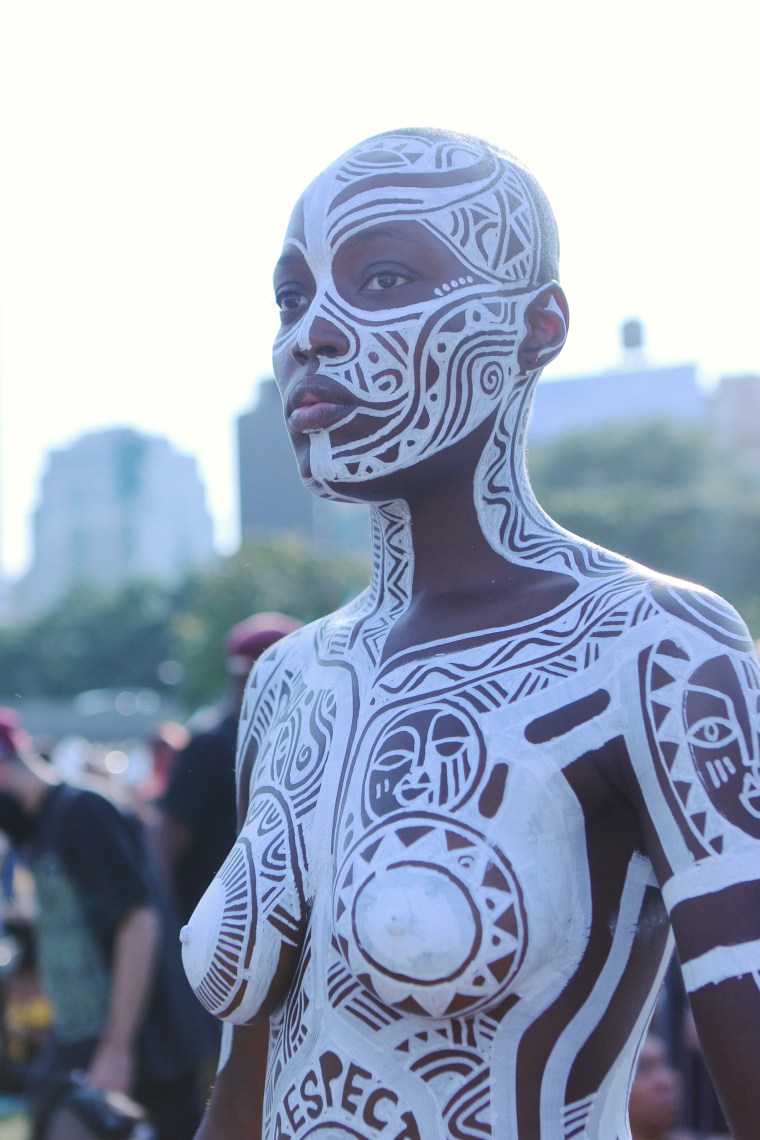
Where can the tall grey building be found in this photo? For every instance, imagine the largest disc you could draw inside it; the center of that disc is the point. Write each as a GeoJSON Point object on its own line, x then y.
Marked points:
{"type": "Point", "coordinates": [736, 411]}
{"type": "Point", "coordinates": [273, 500]}
{"type": "Point", "coordinates": [115, 506]}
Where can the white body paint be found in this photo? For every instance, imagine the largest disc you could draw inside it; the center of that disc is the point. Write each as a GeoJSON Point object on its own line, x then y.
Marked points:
{"type": "Point", "coordinates": [440, 893]}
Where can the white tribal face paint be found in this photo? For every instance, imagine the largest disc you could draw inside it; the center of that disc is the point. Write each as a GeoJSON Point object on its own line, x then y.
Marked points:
{"type": "Point", "coordinates": [405, 277]}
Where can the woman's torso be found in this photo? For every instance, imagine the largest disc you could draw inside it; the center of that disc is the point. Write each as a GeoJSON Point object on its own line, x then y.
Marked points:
{"type": "Point", "coordinates": [469, 936]}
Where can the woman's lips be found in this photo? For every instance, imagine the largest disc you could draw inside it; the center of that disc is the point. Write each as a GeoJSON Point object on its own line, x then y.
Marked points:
{"type": "Point", "coordinates": [317, 417]}
{"type": "Point", "coordinates": [318, 405]}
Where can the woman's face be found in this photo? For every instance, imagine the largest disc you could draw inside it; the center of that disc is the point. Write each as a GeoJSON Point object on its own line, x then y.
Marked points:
{"type": "Point", "coordinates": [400, 328]}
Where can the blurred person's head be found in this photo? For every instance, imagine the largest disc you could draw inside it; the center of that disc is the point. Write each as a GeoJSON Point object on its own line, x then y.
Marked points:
{"type": "Point", "coordinates": [246, 642]}
{"type": "Point", "coordinates": [13, 739]}
{"type": "Point", "coordinates": [25, 780]}
{"type": "Point", "coordinates": [655, 1102]}
{"type": "Point", "coordinates": [167, 741]}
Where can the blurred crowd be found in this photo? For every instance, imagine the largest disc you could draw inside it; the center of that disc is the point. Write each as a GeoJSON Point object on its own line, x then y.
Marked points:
{"type": "Point", "coordinates": [105, 851]}
{"type": "Point", "coordinates": [134, 834]}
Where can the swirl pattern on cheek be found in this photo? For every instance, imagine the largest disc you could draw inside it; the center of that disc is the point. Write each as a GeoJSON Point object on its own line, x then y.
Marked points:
{"type": "Point", "coordinates": [424, 375]}
{"type": "Point", "coordinates": [464, 356]}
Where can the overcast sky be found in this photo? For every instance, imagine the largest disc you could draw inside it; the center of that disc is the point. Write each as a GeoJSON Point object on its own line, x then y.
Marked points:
{"type": "Point", "coordinates": [151, 150]}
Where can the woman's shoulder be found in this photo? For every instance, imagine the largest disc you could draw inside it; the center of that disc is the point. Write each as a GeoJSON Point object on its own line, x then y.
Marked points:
{"type": "Point", "coordinates": [686, 609]}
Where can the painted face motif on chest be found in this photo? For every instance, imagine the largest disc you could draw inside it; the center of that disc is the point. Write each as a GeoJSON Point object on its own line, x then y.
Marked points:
{"type": "Point", "coordinates": [402, 287]}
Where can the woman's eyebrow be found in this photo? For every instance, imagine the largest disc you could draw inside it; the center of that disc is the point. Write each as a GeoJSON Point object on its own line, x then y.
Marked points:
{"type": "Point", "coordinates": [287, 260]}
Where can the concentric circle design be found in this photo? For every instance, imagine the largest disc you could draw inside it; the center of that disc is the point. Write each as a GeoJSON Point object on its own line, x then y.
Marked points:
{"type": "Point", "coordinates": [394, 912]}
{"type": "Point", "coordinates": [429, 915]}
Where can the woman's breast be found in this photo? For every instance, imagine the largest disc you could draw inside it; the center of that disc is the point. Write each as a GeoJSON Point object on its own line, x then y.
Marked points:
{"type": "Point", "coordinates": [460, 877]}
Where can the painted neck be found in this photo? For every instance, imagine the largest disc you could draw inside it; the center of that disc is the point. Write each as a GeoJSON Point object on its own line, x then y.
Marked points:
{"type": "Point", "coordinates": [512, 521]}
{"type": "Point", "coordinates": [458, 537]}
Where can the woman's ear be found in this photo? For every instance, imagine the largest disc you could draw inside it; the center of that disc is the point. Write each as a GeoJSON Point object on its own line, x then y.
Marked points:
{"type": "Point", "coordinates": [546, 322]}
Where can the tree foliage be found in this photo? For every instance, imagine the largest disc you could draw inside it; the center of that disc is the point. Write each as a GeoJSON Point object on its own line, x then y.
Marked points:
{"type": "Point", "coordinates": [124, 640]}
{"type": "Point", "coordinates": [92, 640]}
{"type": "Point", "coordinates": [665, 495]}
{"type": "Point", "coordinates": [285, 576]}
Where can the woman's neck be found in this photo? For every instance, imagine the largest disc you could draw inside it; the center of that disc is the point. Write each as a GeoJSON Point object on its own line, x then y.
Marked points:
{"type": "Point", "coordinates": [468, 547]}
{"type": "Point", "coordinates": [436, 575]}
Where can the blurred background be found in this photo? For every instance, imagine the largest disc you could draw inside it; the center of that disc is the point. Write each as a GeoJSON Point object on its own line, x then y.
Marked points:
{"type": "Point", "coordinates": [150, 155]}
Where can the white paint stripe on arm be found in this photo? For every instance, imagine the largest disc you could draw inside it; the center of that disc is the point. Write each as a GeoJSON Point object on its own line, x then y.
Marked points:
{"type": "Point", "coordinates": [710, 875]}
{"type": "Point", "coordinates": [720, 964]}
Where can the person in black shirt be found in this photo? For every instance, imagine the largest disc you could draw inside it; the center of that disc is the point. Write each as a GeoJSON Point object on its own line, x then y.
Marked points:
{"type": "Point", "coordinates": [196, 823]}
{"type": "Point", "coordinates": [106, 944]}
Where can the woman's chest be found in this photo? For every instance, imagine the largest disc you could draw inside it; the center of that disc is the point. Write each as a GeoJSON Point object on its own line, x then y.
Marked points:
{"type": "Point", "coordinates": [444, 845]}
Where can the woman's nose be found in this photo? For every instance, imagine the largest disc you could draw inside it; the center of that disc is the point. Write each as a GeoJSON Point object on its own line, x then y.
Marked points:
{"type": "Point", "coordinates": [319, 335]}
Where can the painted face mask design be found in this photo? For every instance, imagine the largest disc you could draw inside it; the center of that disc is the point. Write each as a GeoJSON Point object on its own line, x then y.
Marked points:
{"type": "Point", "coordinates": [475, 212]}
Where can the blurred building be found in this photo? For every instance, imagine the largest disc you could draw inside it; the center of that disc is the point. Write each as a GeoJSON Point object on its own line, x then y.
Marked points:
{"type": "Point", "coordinates": [115, 506]}
{"type": "Point", "coordinates": [622, 395]}
{"type": "Point", "coordinates": [633, 391]}
{"type": "Point", "coordinates": [736, 414]}
{"type": "Point", "coordinates": [273, 500]}
{"type": "Point", "coordinates": [638, 390]}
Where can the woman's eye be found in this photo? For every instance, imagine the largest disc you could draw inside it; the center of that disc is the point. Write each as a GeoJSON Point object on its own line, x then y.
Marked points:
{"type": "Point", "coordinates": [290, 300]}
{"type": "Point", "coordinates": [387, 279]}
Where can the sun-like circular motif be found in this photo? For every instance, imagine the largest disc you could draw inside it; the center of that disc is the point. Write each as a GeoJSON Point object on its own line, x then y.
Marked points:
{"type": "Point", "coordinates": [428, 914]}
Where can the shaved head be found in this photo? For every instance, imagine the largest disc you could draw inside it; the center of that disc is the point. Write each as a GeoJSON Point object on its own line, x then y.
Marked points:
{"type": "Point", "coordinates": [405, 279]}
{"type": "Point", "coordinates": [479, 198]}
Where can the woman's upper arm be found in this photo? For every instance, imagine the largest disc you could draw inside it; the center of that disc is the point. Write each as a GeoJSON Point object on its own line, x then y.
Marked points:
{"type": "Point", "coordinates": [695, 750]}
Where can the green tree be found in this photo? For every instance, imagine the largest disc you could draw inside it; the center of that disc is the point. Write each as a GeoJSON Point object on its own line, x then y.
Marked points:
{"type": "Point", "coordinates": [665, 495]}
{"type": "Point", "coordinates": [92, 640]}
{"type": "Point", "coordinates": [286, 575]}
{"type": "Point", "coordinates": [95, 640]}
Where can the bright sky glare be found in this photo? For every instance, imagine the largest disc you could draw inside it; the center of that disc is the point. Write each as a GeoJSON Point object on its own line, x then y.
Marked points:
{"type": "Point", "coordinates": [150, 154]}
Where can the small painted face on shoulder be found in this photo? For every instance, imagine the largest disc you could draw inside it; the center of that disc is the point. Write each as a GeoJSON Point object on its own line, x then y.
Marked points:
{"type": "Point", "coordinates": [401, 287]}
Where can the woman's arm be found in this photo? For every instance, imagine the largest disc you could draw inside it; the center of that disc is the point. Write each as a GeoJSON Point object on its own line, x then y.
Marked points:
{"type": "Point", "coordinates": [695, 750]}
{"type": "Point", "coordinates": [236, 1106]}
{"type": "Point", "coordinates": [132, 969]}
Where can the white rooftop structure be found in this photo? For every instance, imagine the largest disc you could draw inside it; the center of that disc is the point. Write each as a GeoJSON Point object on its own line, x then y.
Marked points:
{"type": "Point", "coordinates": [623, 395]}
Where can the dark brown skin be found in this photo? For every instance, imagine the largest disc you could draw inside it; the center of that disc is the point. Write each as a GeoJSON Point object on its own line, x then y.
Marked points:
{"type": "Point", "coordinates": [470, 589]}
{"type": "Point", "coordinates": [237, 1098]}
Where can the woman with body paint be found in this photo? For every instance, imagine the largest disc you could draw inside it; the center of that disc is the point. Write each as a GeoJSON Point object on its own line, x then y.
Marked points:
{"type": "Point", "coordinates": [476, 802]}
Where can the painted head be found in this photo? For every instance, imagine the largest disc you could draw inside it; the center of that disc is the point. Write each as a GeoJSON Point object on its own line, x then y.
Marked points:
{"type": "Point", "coordinates": [416, 286]}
